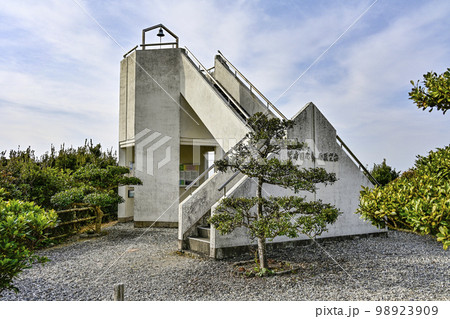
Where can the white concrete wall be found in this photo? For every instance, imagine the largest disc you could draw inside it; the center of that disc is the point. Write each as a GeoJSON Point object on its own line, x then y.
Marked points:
{"type": "Point", "coordinates": [311, 126]}
{"type": "Point", "coordinates": [156, 88]}
{"type": "Point", "coordinates": [126, 209]}
{"type": "Point", "coordinates": [126, 128]}
{"type": "Point", "coordinates": [149, 109]}
{"type": "Point", "coordinates": [127, 98]}
{"type": "Point", "coordinates": [123, 100]}
{"type": "Point", "coordinates": [238, 90]}
{"type": "Point", "coordinates": [220, 120]}
{"type": "Point", "coordinates": [195, 206]}
{"type": "Point", "coordinates": [191, 126]}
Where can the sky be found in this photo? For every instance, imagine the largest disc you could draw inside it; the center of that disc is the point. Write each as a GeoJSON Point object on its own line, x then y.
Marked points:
{"type": "Point", "coordinates": [59, 65]}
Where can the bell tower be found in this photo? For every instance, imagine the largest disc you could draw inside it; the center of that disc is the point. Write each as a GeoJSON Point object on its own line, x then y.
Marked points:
{"type": "Point", "coordinates": [149, 128]}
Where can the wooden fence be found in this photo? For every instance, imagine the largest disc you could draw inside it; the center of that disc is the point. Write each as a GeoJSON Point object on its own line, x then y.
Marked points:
{"type": "Point", "coordinates": [71, 220]}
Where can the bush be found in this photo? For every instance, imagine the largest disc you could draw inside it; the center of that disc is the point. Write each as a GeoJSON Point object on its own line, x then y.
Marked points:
{"type": "Point", "coordinates": [418, 201]}
{"type": "Point", "coordinates": [383, 173]}
{"type": "Point", "coordinates": [22, 231]}
{"type": "Point", "coordinates": [82, 177]}
{"type": "Point", "coordinates": [435, 94]}
{"type": "Point", "coordinates": [30, 178]}
{"type": "Point", "coordinates": [36, 184]}
{"type": "Point", "coordinates": [269, 217]}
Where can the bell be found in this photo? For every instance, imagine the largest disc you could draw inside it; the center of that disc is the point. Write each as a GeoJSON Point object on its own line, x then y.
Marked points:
{"type": "Point", "coordinates": [160, 33]}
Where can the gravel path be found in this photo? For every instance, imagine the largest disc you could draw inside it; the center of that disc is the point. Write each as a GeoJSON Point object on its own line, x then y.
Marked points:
{"type": "Point", "coordinates": [401, 267]}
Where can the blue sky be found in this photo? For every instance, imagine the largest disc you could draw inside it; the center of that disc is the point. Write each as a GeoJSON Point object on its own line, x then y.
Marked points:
{"type": "Point", "coordinates": [59, 70]}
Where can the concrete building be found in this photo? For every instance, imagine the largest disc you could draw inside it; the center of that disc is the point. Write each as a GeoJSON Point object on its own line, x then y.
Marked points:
{"type": "Point", "coordinates": [177, 117]}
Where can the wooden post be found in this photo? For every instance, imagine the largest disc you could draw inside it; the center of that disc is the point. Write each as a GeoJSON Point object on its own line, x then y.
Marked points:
{"type": "Point", "coordinates": [98, 219]}
{"type": "Point", "coordinates": [119, 292]}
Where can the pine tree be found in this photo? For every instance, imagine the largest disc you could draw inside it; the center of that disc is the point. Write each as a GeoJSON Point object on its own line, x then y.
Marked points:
{"type": "Point", "coordinates": [267, 217]}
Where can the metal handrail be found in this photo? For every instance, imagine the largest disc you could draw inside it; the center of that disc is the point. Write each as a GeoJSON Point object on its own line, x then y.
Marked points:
{"type": "Point", "coordinates": [125, 55]}
{"type": "Point", "coordinates": [361, 166]}
{"type": "Point", "coordinates": [173, 44]}
{"type": "Point", "coordinates": [252, 87]}
{"type": "Point", "coordinates": [228, 181]}
{"type": "Point", "coordinates": [216, 83]}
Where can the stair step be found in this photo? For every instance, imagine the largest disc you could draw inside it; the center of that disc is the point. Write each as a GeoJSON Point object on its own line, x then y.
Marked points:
{"type": "Point", "coordinates": [203, 231]}
{"type": "Point", "coordinates": [199, 244]}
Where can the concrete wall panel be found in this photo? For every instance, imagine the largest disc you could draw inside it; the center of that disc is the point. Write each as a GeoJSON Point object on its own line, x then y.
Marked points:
{"type": "Point", "coordinates": [157, 92]}
{"type": "Point", "coordinates": [238, 90]}
{"type": "Point", "coordinates": [322, 151]}
{"type": "Point", "coordinates": [223, 124]}
{"type": "Point", "coordinates": [131, 95]}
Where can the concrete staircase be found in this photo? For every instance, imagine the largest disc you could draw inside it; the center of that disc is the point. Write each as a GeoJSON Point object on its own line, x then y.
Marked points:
{"type": "Point", "coordinates": [233, 102]}
{"type": "Point", "coordinates": [201, 242]}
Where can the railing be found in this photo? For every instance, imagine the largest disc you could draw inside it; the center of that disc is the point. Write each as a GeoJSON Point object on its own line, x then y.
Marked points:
{"type": "Point", "coordinates": [195, 206]}
{"type": "Point", "coordinates": [133, 49]}
{"type": "Point", "coordinates": [252, 87]}
{"type": "Point", "coordinates": [205, 71]}
{"type": "Point", "coordinates": [269, 104]}
{"type": "Point", "coordinates": [361, 166]}
{"type": "Point", "coordinates": [143, 46]}
{"type": "Point", "coordinates": [70, 220]}
{"type": "Point", "coordinates": [224, 185]}
{"type": "Point", "coordinates": [172, 44]}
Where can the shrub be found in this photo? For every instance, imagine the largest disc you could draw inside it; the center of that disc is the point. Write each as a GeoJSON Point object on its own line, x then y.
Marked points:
{"type": "Point", "coordinates": [435, 94]}
{"type": "Point", "coordinates": [269, 217]}
{"type": "Point", "coordinates": [22, 231]}
{"type": "Point", "coordinates": [26, 179]}
{"type": "Point", "coordinates": [383, 173]}
{"type": "Point", "coordinates": [69, 178]}
{"type": "Point", "coordinates": [418, 201]}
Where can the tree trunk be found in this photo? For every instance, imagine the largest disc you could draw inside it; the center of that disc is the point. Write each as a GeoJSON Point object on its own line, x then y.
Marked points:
{"type": "Point", "coordinates": [262, 253]}
{"type": "Point", "coordinates": [261, 240]}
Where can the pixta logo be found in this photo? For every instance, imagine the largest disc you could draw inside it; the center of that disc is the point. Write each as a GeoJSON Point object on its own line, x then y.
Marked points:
{"type": "Point", "coordinates": [147, 143]}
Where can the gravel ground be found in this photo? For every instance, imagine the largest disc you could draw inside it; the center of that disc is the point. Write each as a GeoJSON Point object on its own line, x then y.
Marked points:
{"type": "Point", "coordinates": [401, 267]}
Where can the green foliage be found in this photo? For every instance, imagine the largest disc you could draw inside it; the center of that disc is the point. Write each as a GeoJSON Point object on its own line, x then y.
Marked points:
{"type": "Point", "coordinates": [26, 180]}
{"type": "Point", "coordinates": [70, 196]}
{"type": "Point", "coordinates": [268, 217]}
{"type": "Point", "coordinates": [72, 159]}
{"type": "Point", "coordinates": [108, 178]}
{"type": "Point", "coordinates": [281, 216]}
{"type": "Point", "coordinates": [383, 173]}
{"type": "Point", "coordinates": [418, 201]}
{"type": "Point", "coordinates": [85, 176]}
{"type": "Point", "coordinates": [22, 227]}
{"type": "Point", "coordinates": [30, 178]}
{"type": "Point", "coordinates": [263, 272]}
{"type": "Point", "coordinates": [3, 193]}
{"type": "Point", "coordinates": [94, 186]}
{"type": "Point", "coordinates": [434, 94]}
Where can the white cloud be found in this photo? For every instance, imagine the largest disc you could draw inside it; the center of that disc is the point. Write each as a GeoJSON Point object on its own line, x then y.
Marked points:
{"type": "Point", "coordinates": [39, 129]}
{"type": "Point", "coordinates": [58, 77]}
{"type": "Point", "coordinates": [59, 72]}
{"type": "Point", "coordinates": [362, 87]}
